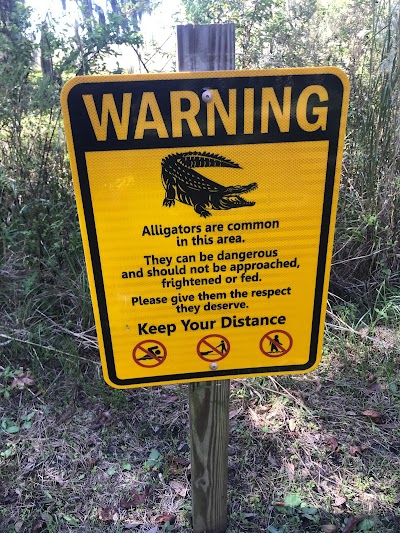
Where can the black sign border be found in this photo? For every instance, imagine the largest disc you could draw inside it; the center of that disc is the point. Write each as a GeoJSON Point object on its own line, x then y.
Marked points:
{"type": "Point", "coordinates": [332, 135]}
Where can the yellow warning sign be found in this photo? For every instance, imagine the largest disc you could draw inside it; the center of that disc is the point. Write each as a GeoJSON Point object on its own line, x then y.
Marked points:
{"type": "Point", "coordinates": [207, 225]}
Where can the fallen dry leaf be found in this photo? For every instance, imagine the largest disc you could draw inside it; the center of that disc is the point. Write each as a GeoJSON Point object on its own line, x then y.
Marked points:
{"type": "Point", "coordinates": [178, 487]}
{"type": "Point", "coordinates": [235, 412]}
{"type": "Point", "coordinates": [374, 387]}
{"type": "Point", "coordinates": [355, 450]}
{"type": "Point", "coordinates": [389, 425]}
{"type": "Point", "coordinates": [38, 526]}
{"type": "Point", "coordinates": [166, 517]}
{"type": "Point", "coordinates": [292, 424]}
{"type": "Point", "coordinates": [177, 464]}
{"type": "Point", "coordinates": [137, 498]}
{"type": "Point", "coordinates": [108, 514]}
{"type": "Point", "coordinates": [23, 380]}
{"type": "Point", "coordinates": [169, 399]}
{"type": "Point", "coordinates": [178, 460]}
{"type": "Point", "coordinates": [332, 443]}
{"type": "Point", "coordinates": [66, 415]}
{"type": "Point", "coordinates": [132, 524]}
{"type": "Point", "coordinates": [340, 500]}
{"type": "Point", "coordinates": [264, 408]}
{"type": "Point", "coordinates": [290, 471]}
{"type": "Point", "coordinates": [183, 446]}
{"type": "Point", "coordinates": [18, 526]}
{"type": "Point", "coordinates": [254, 416]}
{"type": "Point", "coordinates": [329, 528]}
{"type": "Point", "coordinates": [352, 523]}
{"type": "Point", "coordinates": [373, 414]}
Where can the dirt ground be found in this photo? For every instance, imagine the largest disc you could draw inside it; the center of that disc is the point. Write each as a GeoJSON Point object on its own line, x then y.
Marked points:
{"type": "Point", "coordinates": [312, 453]}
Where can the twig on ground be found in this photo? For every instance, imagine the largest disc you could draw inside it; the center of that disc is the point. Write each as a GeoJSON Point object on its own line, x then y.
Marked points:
{"type": "Point", "coordinates": [348, 328]}
{"type": "Point", "coordinates": [50, 348]}
{"type": "Point", "coordinates": [90, 342]}
{"type": "Point", "coordinates": [290, 395]}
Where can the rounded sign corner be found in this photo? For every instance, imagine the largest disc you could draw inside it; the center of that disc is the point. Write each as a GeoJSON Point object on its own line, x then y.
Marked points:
{"type": "Point", "coordinates": [70, 85]}
{"type": "Point", "coordinates": [115, 383]}
{"type": "Point", "coordinates": [342, 76]}
{"type": "Point", "coordinates": [67, 87]}
{"type": "Point", "coordinates": [312, 364]}
{"type": "Point", "coordinates": [208, 225]}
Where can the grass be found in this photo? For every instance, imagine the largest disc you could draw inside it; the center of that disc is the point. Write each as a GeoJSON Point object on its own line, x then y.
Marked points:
{"type": "Point", "coordinates": [313, 453]}
{"type": "Point", "coordinates": [76, 455]}
{"type": "Point", "coordinates": [366, 252]}
{"type": "Point", "coordinates": [302, 454]}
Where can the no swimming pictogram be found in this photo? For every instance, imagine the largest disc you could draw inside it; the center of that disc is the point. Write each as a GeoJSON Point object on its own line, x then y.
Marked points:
{"type": "Point", "coordinates": [276, 343]}
{"type": "Point", "coordinates": [149, 353]}
{"type": "Point", "coordinates": [213, 347]}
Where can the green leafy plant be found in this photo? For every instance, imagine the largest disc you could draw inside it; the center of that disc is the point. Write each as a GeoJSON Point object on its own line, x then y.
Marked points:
{"type": "Point", "coordinates": [154, 460]}
{"type": "Point", "coordinates": [294, 506]}
{"type": "Point", "coordinates": [9, 426]}
{"type": "Point", "coordinates": [14, 426]}
{"type": "Point", "coordinates": [6, 375]}
{"type": "Point", "coordinates": [366, 525]}
{"type": "Point", "coordinates": [8, 451]}
{"type": "Point", "coordinates": [27, 420]}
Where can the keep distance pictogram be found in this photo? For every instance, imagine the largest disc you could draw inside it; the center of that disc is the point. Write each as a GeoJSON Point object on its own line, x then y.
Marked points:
{"type": "Point", "coordinates": [149, 353]}
{"type": "Point", "coordinates": [276, 343]}
{"type": "Point", "coordinates": [213, 347]}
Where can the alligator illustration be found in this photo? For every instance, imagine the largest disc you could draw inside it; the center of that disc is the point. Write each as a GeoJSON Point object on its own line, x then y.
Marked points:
{"type": "Point", "coordinates": [185, 184]}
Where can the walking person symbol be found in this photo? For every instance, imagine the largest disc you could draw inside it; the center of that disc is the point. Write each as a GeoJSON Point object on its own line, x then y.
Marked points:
{"type": "Point", "coordinates": [274, 345]}
{"type": "Point", "coordinates": [222, 345]}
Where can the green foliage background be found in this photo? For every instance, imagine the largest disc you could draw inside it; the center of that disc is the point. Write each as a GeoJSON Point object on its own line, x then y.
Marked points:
{"type": "Point", "coordinates": [362, 37]}
{"type": "Point", "coordinates": [55, 410]}
{"type": "Point", "coordinates": [42, 270]}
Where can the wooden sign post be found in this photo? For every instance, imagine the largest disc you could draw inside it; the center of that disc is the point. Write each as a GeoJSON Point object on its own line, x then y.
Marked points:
{"type": "Point", "coordinates": [205, 48]}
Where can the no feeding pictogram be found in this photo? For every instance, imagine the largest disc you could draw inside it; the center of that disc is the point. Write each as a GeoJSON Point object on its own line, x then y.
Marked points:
{"type": "Point", "coordinates": [149, 353]}
{"type": "Point", "coordinates": [276, 343]}
{"type": "Point", "coordinates": [213, 347]}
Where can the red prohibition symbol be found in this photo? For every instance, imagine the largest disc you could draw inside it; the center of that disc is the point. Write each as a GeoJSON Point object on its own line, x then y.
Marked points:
{"type": "Point", "coordinates": [149, 353]}
{"type": "Point", "coordinates": [278, 342]}
{"type": "Point", "coordinates": [213, 347]}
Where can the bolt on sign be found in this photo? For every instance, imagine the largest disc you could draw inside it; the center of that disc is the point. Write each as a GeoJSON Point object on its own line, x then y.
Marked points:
{"type": "Point", "coordinates": [207, 205]}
